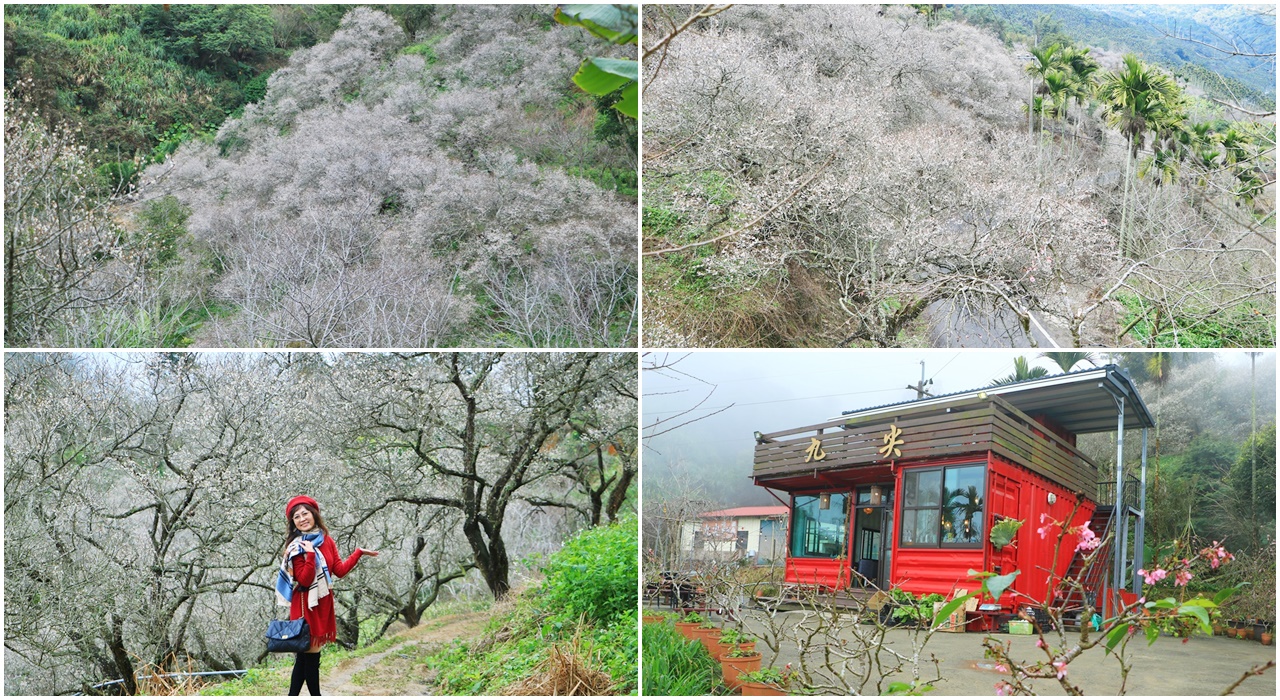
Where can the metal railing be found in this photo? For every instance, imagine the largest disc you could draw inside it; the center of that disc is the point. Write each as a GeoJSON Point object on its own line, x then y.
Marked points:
{"type": "Point", "coordinates": [185, 674]}
{"type": "Point", "coordinates": [1106, 493]}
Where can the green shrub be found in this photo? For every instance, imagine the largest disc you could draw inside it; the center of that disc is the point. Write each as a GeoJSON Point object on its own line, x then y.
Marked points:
{"type": "Point", "coordinates": [674, 665]}
{"type": "Point", "coordinates": [595, 574]}
{"type": "Point", "coordinates": [163, 222]}
{"type": "Point", "coordinates": [256, 89]}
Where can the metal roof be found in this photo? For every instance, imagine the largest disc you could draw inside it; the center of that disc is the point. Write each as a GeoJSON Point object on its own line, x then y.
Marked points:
{"type": "Point", "coordinates": [1082, 402]}
{"type": "Point", "coordinates": [748, 512]}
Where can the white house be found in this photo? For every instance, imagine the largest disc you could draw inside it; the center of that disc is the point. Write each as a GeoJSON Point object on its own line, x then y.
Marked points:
{"type": "Point", "coordinates": [756, 532]}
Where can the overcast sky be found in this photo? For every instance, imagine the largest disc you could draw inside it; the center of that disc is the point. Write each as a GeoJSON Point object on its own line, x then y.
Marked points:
{"type": "Point", "coordinates": [773, 390]}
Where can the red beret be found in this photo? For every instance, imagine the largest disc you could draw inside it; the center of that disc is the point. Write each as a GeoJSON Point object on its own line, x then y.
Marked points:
{"type": "Point", "coordinates": [300, 501]}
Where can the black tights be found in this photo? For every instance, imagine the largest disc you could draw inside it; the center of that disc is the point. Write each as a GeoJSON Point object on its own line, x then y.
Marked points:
{"type": "Point", "coordinates": [306, 669]}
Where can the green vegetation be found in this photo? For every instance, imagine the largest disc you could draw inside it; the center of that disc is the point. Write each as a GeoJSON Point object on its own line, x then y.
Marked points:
{"type": "Point", "coordinates": [1246, 325]}
{"type": "Point", "coordinates": [674, 665]}
{"type": "Point", "coordinates": [131, 77]}
{"type": "Point", "coordinates": [585, 608]}
{"type": "Point", "coordinates": [1139, 30]}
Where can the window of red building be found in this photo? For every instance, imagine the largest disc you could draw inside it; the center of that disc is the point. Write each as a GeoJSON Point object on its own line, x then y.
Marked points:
{"type": "Point", "coordinates": [943, 506]}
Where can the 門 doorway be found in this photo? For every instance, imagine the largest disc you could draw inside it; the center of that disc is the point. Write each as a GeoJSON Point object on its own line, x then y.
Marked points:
{"type": "Point", "coordinates": [873, 534]}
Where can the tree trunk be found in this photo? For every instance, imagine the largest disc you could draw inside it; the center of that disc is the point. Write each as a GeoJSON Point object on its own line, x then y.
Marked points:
{"type": "Point", "coordinates": [491, 559]}
{"type": "Point", "coordinates": [1124, 203]}
{"type": "Point", "coordinates": [120, 656]}
{"type": "Point", "coordinates": [618, 495]}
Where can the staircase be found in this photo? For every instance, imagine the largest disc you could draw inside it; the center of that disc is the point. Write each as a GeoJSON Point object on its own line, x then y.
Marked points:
{"type": "Point", "coordinates": [1093, 575]}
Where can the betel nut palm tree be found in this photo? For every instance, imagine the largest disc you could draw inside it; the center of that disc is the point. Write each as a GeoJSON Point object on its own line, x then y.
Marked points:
{"type": "Point", "coordinates": [1138, 99]}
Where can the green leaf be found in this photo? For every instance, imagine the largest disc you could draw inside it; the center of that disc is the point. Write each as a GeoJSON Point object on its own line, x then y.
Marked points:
{"type": "Point", "coordinates": [1200, 614]}
{"type": "Point", "coordinates": [1116, 636]}
{"type": "Point", "coordinates": [1222, 595]}
{"type": "Point", "coordinates": [1152, 634]}
{"type": "Point", "coordinates": [613, 23]}
{"type": "Point", "coordinates": [601, 76]}
{"type": "Point", "coordinates": [1202, 602]}
{"type": "Point", "coordinates": [996, 585]}
{"type": "Point", "coordinates": [630, 102]}
{"type": "Point", "coordinates": [946, 610]}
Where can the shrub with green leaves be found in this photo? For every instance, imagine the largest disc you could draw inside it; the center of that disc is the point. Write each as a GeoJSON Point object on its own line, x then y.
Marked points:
{"type": "Point", "coordinates": [674, 665]}
{"type": "Point", "coordinates": [595, 574]}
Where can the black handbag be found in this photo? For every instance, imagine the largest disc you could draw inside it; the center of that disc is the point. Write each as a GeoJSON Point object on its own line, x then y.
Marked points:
{"type": "Point", "coordinates": [288, 636]}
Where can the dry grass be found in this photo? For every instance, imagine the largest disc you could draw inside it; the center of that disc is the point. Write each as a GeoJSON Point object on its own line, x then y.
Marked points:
{"type": "Point", "coordinates": [156, 680]}
{"type": "Point", "coordinates": [567, 671]}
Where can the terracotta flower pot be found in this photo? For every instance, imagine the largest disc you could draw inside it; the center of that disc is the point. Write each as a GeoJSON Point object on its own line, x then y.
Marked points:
{"type": "Point", "coordinates": [709, 636]}
{"type": "Point", "coordinates": [651, 619]}
{"type": "Point", "coordinates": [733, 667]}
{"type": "Point", "coordinates": [1265, 638]}
{"type": "Point", "coordinates": [761, 689]}
{"type": "Point", "coordinates": [688, 629]}
{"type": "Point", "coordinates": [719, 648]}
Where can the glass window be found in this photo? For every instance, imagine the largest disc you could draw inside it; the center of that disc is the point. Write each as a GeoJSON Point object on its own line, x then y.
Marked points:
{"type": "Point", "coordinates": [962, 514]}
{"type": "Point", "coordinates": [943, 507]}
{"type": "Point", "coordinates": [818, 531]}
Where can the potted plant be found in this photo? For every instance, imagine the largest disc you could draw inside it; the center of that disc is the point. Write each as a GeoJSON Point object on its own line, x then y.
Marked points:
{"type": "Point", "coordinates": [1265, 636]}
{"type": "Point", "coordinates": [766, 681]}
{"type": "Point", "coordinates": [707, 633]}
{"type": "Point", "coordinates": [894, 611]}
{"type": "Point", "coordinates": [653, 617]}
{"type": "Point", "coordinates": [736, 662]}
{"type": "Point", "coordinates": [732, 638]}
{"type": "Point", "coordinates": [688, 624]}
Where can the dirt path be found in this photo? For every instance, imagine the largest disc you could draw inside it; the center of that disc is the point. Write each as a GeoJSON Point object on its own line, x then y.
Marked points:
{"type": "Point", "coordinates": [395, 671]}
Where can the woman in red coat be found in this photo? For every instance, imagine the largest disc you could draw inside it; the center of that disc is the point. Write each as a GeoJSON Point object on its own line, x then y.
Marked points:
{"type": "Point", "coordinates": [309, 564]}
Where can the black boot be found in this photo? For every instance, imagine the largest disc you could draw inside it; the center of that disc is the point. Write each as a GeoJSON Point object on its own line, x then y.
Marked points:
{"type": "Point", "coordinates": [313, 675]}
{"type": "Point", "coordinates": [300, 662]}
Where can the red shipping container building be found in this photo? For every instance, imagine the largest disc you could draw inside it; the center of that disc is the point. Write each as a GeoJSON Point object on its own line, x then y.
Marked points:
{"type": "Point", "coordinates": [905, 495]}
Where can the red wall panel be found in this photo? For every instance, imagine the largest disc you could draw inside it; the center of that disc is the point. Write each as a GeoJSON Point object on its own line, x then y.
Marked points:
{"type": "Point", "coordinates": [833, 573]}
{"type": "Point", "coordinates": [1035, 554]}
{"type": "Point", "coordinates": [922, 571]}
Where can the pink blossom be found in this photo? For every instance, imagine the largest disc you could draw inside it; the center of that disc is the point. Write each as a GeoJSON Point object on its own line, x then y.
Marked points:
{"type": "Point", "coordinates": [1062, 669]}
{"type": "Point", "coordinates": [1183, 577]}
{"type": "Point", "coordinates": [1088, 540]}
{"type": "Point", "coordinates": [1002, 668]}
{"type": "Point", "coordinates": [1152, 576]}
{"type": "Point", "coordinates": [1043, 531]}
{"type": "Point", "coordinates": [1003, 688]}
{"type": "Point", "coordinates": [1040, 644]}
{"type": "Point", "coordinates": [1043, 517]}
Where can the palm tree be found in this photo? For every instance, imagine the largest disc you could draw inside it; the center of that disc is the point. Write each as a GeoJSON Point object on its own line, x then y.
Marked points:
{"type": "Point", "coordinates": [1021, 372]}
{"type": "Point", "coordinates": [1135, 100]}
{"type": "Point", "coordinates": [1068, 359]}
{"type": "Point", "coordinates": [966, 503]}
{"type": "Point", "coordinates": [1081, 68]}
{"type": "Point", "coordinates": [1045, 61]}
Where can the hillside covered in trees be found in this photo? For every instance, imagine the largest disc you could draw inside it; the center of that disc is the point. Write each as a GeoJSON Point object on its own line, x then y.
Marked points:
{"type": "Point", "coordinates": [144, 498]}
{"type": "Point", "coordinates": [329, 176]}
{"type": "Point", "coordinates": [897, 175]}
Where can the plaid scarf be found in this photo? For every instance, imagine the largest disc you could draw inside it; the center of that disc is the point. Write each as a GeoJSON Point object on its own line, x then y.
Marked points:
{"type": "Point", "coordinates": [285, 581]}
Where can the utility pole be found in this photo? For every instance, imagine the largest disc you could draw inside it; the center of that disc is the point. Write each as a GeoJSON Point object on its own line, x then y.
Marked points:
{"type": "Point", "coordinates": [1253, 449]}
{"type": "Point", "coordinates": [920, 388]}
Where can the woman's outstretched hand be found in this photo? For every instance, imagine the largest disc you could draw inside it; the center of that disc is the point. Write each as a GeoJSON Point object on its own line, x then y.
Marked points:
{"type": "Point", "coordinates": [367, 552]}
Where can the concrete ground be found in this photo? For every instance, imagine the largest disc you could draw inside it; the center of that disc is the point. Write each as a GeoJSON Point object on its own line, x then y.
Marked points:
{"type": "Point", "coordinates": [1202, 666]}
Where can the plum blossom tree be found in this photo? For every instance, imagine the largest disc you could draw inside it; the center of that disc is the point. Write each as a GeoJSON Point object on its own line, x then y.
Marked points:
{"type": "Point", "coordinates": [836, 176]}
{"type": "Point", "coordinates": [143, 492]}
{"type": "Point", "coordinates": [375, 198]}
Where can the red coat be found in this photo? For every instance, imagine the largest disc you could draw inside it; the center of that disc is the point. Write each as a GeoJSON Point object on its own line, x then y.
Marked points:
{"type": "Point", "coordinates": [321, 620]}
